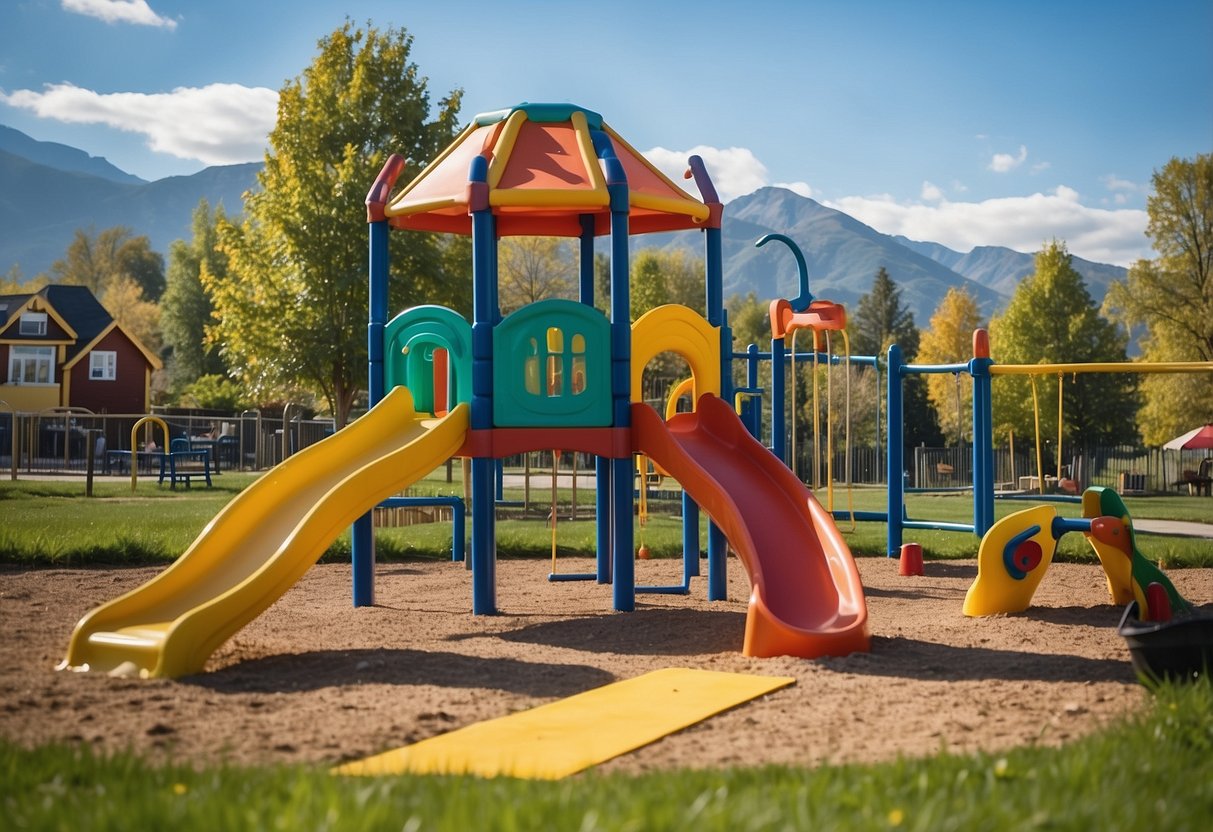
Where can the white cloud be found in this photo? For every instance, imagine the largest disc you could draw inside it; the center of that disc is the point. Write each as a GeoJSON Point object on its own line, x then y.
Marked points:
{"type": "Point", "coordinates": [931, 192]}
{"type": "Point", "coordinates": [218, 124]}
{"type": "Point", "coordinates": [1023, 223]}
{"type": "Point", "coordinates": [735, 171]}
{"type": "Point", "coordinates": [119, 11]}
{"type": "Point", "coordinates": [1004, 162]}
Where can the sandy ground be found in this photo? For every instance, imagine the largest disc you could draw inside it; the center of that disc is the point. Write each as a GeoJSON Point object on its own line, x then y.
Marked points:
{"type": "Point", "coordinates": [314, 679]}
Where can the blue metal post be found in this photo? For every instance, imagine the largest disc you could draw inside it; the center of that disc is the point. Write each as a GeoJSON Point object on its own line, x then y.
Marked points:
{"type": "Point", "coordinates": [690, 535]}
{"type": "Point", "coordinates": [362, 551]}
{"type": "Point", "coordinates": [623, 566]}
{"type": "Point", "coordinates": [779, 439]}
{"type": "Point", "coordinates": [983, 446]}
{"type": "Point", "coordinates": [484, 316]}
{"type": "Point", "coordinates": [602, 464]}
{"type": "Point", "coordinates": [896, 439]}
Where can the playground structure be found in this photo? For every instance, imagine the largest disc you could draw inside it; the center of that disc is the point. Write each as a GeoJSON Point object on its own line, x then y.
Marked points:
{"type": "Point", "coordinates": [556, 374]}
{"type": "Point", "coordinates": [1016, 552]}
{"type": "Point", "coordinates": [981, 368]}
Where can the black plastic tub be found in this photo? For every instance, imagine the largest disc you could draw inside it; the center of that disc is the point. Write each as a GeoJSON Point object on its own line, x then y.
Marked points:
{"type": "Point", "coordinates": [1180, 649]}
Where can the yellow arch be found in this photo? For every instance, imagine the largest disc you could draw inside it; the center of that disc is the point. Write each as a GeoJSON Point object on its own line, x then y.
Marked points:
{"type": "Point", "coordinates": [682, 330]}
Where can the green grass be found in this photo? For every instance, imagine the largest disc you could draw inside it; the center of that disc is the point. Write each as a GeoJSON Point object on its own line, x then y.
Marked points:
{"type": "Point", "coordinates": [1149, 772]}
{"type": "Point", "coordinates": [53, 523]}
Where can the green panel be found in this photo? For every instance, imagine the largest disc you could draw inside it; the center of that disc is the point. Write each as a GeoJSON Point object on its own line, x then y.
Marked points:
{"type": "Point", "coordinates": [552, 367]}
{"type": "Point", "coordinates": [408, 361]}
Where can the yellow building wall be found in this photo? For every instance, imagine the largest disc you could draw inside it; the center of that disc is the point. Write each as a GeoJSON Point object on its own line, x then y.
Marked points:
{"type": "Point", "coordinates": [30, 398]}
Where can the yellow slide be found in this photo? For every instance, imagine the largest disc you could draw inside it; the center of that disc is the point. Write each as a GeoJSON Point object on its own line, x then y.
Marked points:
{"type": "Point", "coordinates": [262, 542]}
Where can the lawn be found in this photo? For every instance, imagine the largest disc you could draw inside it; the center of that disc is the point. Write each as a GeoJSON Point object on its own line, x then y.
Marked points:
{"type": "Point", "coordinates": [52, 522]}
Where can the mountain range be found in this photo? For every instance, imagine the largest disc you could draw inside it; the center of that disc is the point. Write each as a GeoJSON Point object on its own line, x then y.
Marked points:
{"type": "Point", "coordinates": [49, 190]}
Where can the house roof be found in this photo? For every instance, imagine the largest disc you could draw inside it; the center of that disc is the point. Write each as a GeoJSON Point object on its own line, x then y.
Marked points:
{"type": "Point", "coordinates": [13, 307]}
{"type": "Point", "coordinates": [81, 309]}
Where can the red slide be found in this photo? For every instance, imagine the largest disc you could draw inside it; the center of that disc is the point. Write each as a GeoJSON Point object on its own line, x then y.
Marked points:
{"type": "Point", "coordinates": [807, 599]}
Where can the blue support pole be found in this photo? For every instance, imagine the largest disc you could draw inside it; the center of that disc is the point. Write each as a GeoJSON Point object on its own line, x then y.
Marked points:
{"type": "Point", "coordinates": [622, 508]}
{"type": "Point", "coordinates": [983, 445]}
{"type": "Point", "coordinates": [602, 464]}
{"type": "Point", "coordinates": [896, 439]}
{"type": "Point", "coordinates": [690, 535]}
{"type": "Point", "coordinates": [484, 317]}
{"type": "Point", "coordinates": [362, 550]}
{"type": "Point", "coordinates": [602, 524]}
{"type": "Point", "coordinates": [779, 439]}
{"type": "Point", "coordinates": [718, 573]}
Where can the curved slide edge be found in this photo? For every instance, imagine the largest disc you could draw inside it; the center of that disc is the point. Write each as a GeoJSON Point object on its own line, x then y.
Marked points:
{"type": "Point", "coordinates": [262, 542]}
{"type": "Point", "coordinates": [806, 596]}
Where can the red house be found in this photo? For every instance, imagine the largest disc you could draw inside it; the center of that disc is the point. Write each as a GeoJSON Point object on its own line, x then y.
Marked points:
{"type": "Point", "coordinates": [59, 347]}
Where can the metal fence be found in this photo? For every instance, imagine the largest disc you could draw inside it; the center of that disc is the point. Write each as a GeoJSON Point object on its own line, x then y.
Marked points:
{"type": "Point", "coordinates": [58, 441]}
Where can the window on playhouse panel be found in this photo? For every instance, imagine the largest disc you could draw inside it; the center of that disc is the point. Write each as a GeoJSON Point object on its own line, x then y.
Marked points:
{"type": "Point", "coordinates": [578, 385]}
{"type": "Point", "coordinates": [555, 362]}
{"type": "Point", "coordinates": [530, 369]}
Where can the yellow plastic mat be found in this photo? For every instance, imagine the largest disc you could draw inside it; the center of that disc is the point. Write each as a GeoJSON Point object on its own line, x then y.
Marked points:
{"type": "Point", "coordinates": [569, 735]}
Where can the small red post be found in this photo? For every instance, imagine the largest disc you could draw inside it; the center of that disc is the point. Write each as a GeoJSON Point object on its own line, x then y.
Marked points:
{"type": "Point", "coordinates": [911, 559]}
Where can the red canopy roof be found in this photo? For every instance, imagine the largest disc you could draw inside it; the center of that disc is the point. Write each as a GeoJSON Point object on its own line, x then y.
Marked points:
{"type": "Point", "coordinates": [544, 173]}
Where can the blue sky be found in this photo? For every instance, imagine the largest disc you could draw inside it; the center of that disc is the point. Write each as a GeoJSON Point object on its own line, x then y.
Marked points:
{"type": "Point", "coordinates": [964, 123]}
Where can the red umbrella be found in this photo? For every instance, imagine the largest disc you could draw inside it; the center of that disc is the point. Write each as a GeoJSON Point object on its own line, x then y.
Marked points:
{"type": "Point", "coordinates": [1196, 439]}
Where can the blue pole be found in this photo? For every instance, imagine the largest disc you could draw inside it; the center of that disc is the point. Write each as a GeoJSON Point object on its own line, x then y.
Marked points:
{"type": "Point", "coordinates": [484, 316]}
{"type": "Point", "coordinates": [896, 452]}
{"type": "Point", "coordinates": [622, 509]}
{"type": "Point", "coordinates": [690, 535]}
{"type": "Point", "coordinates": [983, 445]}
{"type": "Point", "coordinates": [602, 464]}
{"type": "Point", "coordinates": [779, 440]}
{"type": "Point", "coordinates": [362, 548]}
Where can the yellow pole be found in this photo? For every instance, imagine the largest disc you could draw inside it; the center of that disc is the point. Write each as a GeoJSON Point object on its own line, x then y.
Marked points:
{"type": "Point", "coordinates": [1061, 381]}
{"type": "Point", "coordinates": [1040, 466]}
{"type": "Point", "coordinates": [1105, 367]}
{"type": "Point", "coordinates": [135, 444]}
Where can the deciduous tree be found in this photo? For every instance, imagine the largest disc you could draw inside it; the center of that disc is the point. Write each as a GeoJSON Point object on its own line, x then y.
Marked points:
{"type": "Point", "coordinates": [1172, 298]}
{"type": "Point", "coordinates": [531, 269]}
{"type": "Point", "coordinates": [95, 260]}
{"type": "Point", "coordinates": [1052, 319]}
{"type": "Point", "coordinates": [292, 309]}
{"type": "Point", "coordinates": [949, 340]}
{"type": "Point", "coordinates": [124, 300]}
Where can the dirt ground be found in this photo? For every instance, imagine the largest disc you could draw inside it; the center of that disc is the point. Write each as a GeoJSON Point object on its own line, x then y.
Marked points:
{"type": "Point", "coordinates": [314, 679]}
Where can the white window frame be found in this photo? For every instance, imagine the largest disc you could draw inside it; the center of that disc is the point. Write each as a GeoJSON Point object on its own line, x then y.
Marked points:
{"type": "Point", "coordinates": [103, 365]}
{"type": "Point", "coordinates": [20, 358]}
{"type": "Point", "coordinates": [37, 319]}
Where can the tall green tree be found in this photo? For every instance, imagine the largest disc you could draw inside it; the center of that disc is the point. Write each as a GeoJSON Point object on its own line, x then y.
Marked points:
{"type": "Point", "coordinates": [1172, 297]}
{"type": "Point", "coordinates": [1051, 318]}
{"type": "Point", "coordinates": [881, 319]}
{"type": "Point", "coordinates": [948, 340]}
{"type": "Point", "coordinates": [186, 309]}
{"type": "Point", "coordinates": [292, 308]}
